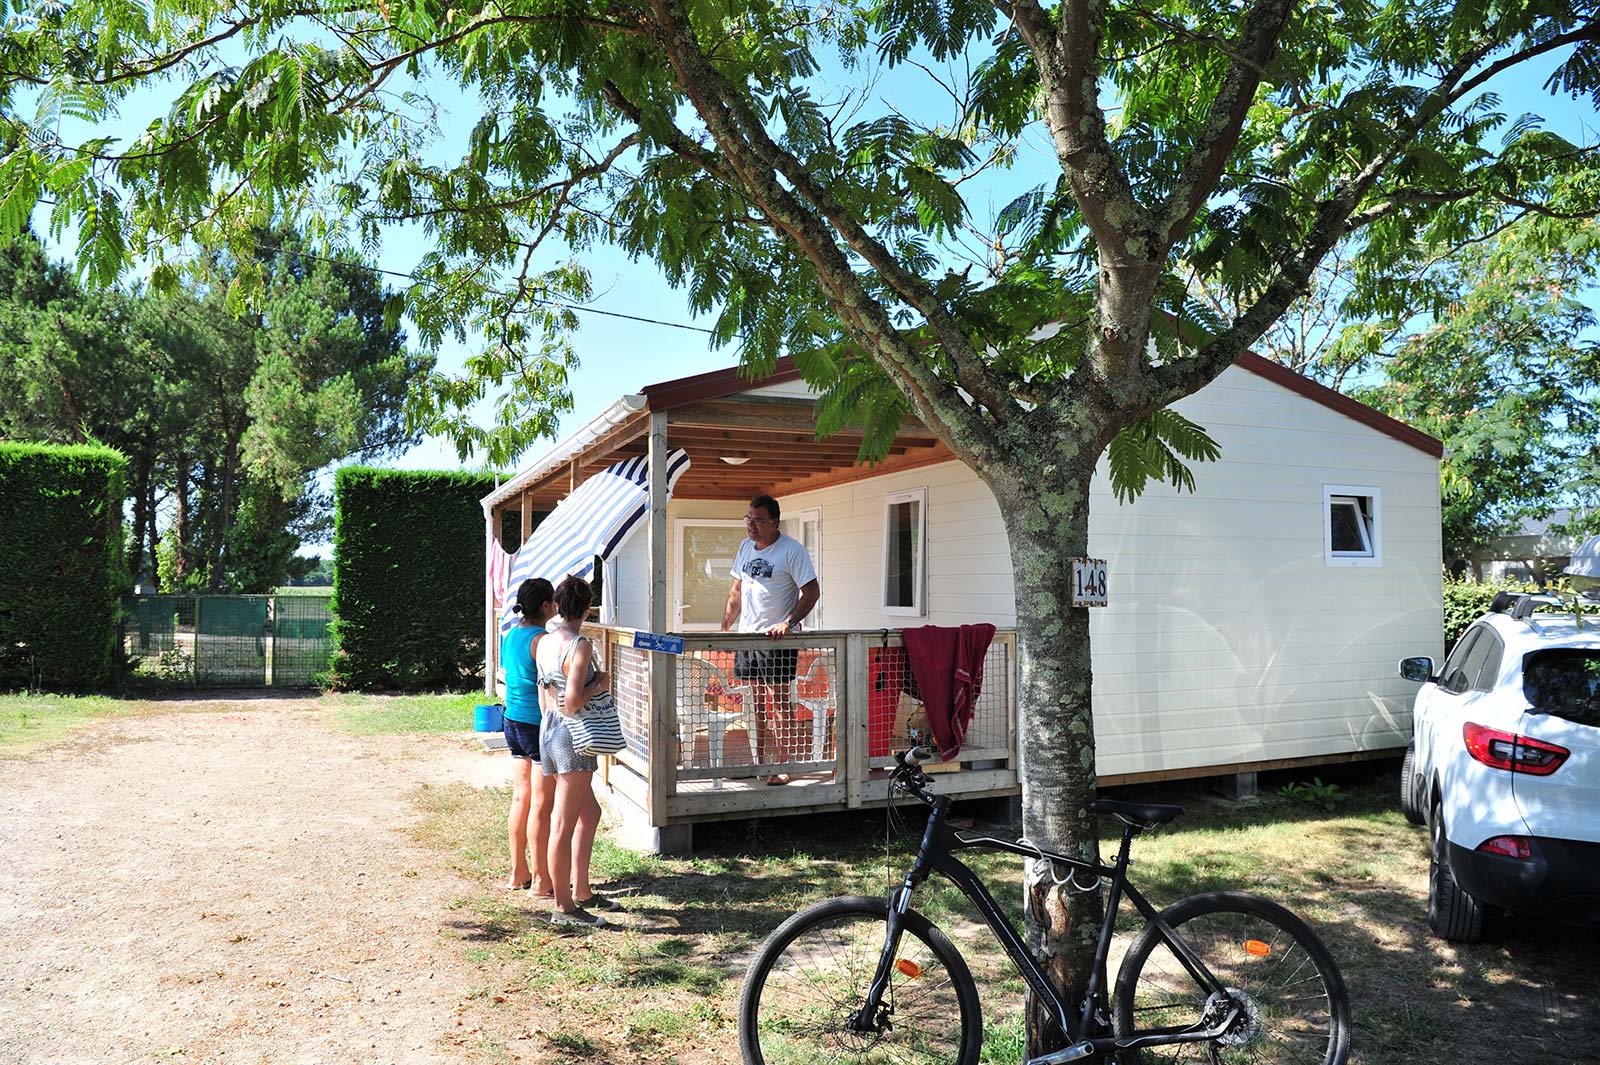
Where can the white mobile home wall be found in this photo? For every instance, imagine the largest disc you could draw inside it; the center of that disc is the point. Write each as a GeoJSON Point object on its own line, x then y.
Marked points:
{"type": "Point", "coordinates": [1229, 639]}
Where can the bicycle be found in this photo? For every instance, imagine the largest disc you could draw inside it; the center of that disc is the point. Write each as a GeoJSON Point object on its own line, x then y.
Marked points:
{"type": "Point", "coordinates": [1226, 976]}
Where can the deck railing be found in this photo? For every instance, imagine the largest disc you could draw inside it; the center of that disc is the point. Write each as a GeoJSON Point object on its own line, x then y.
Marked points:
{"type": "Point", "coordinates": [706, 751]}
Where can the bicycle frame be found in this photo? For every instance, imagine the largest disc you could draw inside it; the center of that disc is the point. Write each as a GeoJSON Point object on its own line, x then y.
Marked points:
{"type": "Point", "coordinates": [933, 856]}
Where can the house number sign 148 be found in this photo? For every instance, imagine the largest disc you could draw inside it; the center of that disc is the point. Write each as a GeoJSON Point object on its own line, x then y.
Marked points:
{"type": "Point", "coordinates": [1089, 582]}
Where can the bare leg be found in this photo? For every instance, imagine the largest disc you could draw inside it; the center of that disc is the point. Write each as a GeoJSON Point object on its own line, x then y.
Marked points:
{"type": "Point", "coordinates": [563, 826]}
{"type": "Point", "coordinates": [583, 839]}
{"type": "Point", "coordinates": [544, 801]}
{"type": "Point", "coordinates": [517, 820]}
{"type": "Point", "coordinates": [764, 739]}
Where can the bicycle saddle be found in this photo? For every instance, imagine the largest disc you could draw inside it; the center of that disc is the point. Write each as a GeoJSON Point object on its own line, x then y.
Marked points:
{"type": "Point", "coordinates": [1150, 813]}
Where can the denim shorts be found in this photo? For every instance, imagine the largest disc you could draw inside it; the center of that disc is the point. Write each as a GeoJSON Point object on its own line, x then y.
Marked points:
{"type": "Point", "coordinates": [523, 739]}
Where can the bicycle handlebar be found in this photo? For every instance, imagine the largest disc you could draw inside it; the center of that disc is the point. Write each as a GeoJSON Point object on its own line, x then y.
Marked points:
{"type": "Point", "coordinates": [914, 756]}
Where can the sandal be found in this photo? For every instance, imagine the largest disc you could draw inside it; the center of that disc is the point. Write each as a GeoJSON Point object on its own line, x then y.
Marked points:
{"type": "Point", "coordinates": [526, 885]}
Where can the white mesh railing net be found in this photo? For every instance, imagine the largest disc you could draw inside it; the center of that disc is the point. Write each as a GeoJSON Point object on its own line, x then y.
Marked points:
{"type": "Point", "coordinates": [630, 686]}
{"type": "Point", "coordinates": [897, 718]}
{"type": "Point", "coordinates": [740, 710]}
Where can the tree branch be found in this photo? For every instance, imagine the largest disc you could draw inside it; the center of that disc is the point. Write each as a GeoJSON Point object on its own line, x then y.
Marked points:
{"type": "Point", "coordinates": [1258, 39]}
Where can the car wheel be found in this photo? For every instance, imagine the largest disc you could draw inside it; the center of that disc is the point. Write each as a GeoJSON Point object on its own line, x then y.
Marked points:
{"type": "Point", "coordinates": [1452, 913]}
{"type": "Point", "coordinates": [1408, 786]}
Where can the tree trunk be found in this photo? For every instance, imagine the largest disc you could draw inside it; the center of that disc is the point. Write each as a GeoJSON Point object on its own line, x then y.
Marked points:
{"type": "Point", "coordinates": [141, 515]}
{"type": "Point", "coordinates": [180, 526]}
{"type": "Point", "coordinates": [1045, 505]}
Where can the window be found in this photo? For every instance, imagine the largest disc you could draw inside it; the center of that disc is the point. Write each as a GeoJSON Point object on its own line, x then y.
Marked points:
{"type": "Point", "coordinates": [1351, 525]}
{"type": "Point", "coordinates": [1453, 675]}
{"type": "Point", "coordinates": [904, 524]}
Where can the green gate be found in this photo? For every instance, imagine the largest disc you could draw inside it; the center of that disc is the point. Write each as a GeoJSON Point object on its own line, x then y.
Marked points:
{"type": "Point", "coordinates": [228, 641]}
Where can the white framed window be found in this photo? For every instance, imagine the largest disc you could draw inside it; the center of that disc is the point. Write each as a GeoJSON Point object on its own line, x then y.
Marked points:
{"type": "Point", "coordinates": [706, 549]}
{"type": "Point", "coordinates": [905, 520]}
{"type": "Point", "coordinates": [1352, 525]}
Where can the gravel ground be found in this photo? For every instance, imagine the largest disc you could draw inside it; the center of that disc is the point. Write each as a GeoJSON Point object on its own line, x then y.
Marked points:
{"type": "Point", "coordinates": [232, 886]}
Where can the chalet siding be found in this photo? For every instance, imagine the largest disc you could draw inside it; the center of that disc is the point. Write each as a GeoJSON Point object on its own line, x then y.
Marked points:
{"type": "Point", "coordinates": [1228, 639]}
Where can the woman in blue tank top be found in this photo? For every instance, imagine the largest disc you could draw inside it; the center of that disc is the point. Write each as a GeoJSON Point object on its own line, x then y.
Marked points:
{"type": "Point", "coordinates": [535, 604]}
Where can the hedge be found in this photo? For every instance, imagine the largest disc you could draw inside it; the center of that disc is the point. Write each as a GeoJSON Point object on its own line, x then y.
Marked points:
{"type": "Point", "coordinates": [407, 578]}
{"type": "Point", "coordinates": [61, 567]}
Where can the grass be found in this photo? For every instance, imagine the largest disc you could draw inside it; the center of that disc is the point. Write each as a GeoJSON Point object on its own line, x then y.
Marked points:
{"type": "Point", "coordinates": [26, 721]}
{"type": "Point", "coordinates": [664, 986]}
{"type": "Point", "coordinates": [371, 715]}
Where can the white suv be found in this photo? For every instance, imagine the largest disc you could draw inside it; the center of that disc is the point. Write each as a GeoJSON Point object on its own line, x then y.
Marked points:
{"type": "Point", "coordinates": [1504, 767]}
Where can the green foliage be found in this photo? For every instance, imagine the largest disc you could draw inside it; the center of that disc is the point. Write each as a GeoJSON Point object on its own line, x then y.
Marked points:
{"type": "Point", "coordinates": [1466, 601]}
{"type": "Point", "coordinates": [61, 574]}
{"type": "Point", "coordinates": [1504, 374]}
{"type": "Point", "coordinates": [227, 416]}
{"type": "Point", "coordinates": [1324, 797]}
{"type": "Point", "coordinates": [408, 578]}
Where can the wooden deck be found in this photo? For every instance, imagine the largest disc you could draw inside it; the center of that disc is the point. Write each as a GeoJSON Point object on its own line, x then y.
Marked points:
{"type": "Point", "coordinates": [693, 752]}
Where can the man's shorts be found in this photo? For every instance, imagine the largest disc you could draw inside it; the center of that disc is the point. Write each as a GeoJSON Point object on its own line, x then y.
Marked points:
{"type": "Point", "coordinates": [777, 666]}
{"type": "Point", "coordinates": [522, 739]}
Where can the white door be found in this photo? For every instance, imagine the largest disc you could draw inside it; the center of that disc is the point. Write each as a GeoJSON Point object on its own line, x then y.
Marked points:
{"type": "Point", "coordinates": [806, 526]}
{"type": "Point", "coordinates": [706, 550]}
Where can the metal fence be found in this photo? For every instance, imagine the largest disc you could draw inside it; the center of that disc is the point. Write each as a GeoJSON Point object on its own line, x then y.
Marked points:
{"type": "Point", "coordinates": [232, 641]}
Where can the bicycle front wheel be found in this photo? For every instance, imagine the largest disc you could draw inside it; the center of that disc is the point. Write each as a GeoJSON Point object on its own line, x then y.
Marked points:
{"type": "Point", "coordinates": [813, 973]}
{"type": "Point", "coordinates": [1293, 1009]}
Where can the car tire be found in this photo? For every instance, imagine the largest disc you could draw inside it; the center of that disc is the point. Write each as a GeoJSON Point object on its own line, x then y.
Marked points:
{"type": "Point", "coordinates": [1453, 915]}
{"type": "Point", "coordinates": [1408, 786]}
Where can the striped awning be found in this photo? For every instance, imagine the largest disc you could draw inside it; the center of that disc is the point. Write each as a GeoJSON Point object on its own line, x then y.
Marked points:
{"type": "Point", "coordinates": [594, 521]}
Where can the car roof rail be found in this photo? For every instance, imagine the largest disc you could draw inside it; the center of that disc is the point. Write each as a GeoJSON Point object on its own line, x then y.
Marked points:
{"type": "Point", "coordinates": [1522, 609]}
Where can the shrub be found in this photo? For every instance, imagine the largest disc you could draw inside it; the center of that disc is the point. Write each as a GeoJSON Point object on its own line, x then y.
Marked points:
{"type": "Point", "coordinates": [1466, 601]}
{"type": "Point", "coordinates": [61, 569]}
{"type": "Point", "coordinates": [407, 578]}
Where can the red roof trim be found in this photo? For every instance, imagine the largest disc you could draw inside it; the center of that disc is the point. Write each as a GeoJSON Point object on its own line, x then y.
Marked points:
{"type": "Point", "coordinates": [714, 385]}
{"type": "Point", "coordinates": [721, 383]}
{"type": "Point", "coordinates": [1282, 375]}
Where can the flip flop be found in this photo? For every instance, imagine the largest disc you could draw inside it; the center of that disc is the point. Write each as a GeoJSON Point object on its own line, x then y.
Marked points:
{"type": "Point", "coordinates": [528, 886]}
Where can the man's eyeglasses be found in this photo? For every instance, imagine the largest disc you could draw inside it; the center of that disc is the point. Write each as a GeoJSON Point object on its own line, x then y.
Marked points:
{"type": "Point", "coordinates": [751, 519]}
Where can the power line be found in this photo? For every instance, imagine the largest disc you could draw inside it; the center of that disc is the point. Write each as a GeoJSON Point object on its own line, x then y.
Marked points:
{"type": "Point", "coordinates": [414, 279]}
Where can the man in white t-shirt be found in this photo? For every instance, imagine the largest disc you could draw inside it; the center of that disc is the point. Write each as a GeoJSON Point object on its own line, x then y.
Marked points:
{"type": "Point", "coordinates": [774, 587]}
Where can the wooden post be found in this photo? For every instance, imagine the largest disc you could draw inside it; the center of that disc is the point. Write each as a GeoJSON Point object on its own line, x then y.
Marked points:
{"type": "Point", "coordinates": [851, 726]}
{"type": "Point", "coordinates": [662, 679]}
{"type": "Point", "coordinates": [491, 628]}
{"type": "Point", "coordinates": [527, 517]}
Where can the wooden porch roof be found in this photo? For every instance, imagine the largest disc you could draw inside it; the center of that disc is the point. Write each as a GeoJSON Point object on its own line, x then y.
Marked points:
{"type": "Point", "coordinates": [773, 437]}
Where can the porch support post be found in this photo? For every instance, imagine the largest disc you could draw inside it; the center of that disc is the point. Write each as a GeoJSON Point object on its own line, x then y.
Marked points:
{"type": "Point", "coordinates": [527, 516]}
{"type": "Point", "coordinates": [663, 712]}
{"type": "Point", "coordinates": [491, 645]}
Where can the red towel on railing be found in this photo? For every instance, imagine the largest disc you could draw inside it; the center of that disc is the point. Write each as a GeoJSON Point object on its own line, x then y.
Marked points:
{"type": "Point", "coordinates": [948, 666]}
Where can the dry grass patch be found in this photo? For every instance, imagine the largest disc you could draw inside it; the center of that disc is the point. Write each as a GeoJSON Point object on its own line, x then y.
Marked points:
{"type": "Point", "coordinates": [663, 986]}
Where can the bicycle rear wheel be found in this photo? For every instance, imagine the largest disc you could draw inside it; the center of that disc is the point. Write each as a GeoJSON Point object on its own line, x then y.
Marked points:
{"type": "Point", "coordinates": [814, 971]}
{"type": "Point", "coordinates": [1294, 1008]}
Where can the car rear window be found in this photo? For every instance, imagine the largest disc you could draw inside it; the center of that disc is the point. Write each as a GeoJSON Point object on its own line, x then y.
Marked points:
{"type": "Point", "coordinates": [1564, 684]}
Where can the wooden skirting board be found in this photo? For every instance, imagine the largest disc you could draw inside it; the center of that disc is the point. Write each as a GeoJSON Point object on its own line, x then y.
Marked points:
{"type": "Point", "coordinates": [1116, 780]}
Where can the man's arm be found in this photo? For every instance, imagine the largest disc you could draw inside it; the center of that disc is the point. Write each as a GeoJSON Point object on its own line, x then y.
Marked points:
{"type": "Point", "coordinates": [730, 613]}
{"type": "Point", "coordinates": [810, 592]}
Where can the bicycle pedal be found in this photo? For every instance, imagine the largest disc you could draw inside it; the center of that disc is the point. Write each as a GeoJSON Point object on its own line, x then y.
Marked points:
{"type": "Point", "coordinates": [1075, 1052]}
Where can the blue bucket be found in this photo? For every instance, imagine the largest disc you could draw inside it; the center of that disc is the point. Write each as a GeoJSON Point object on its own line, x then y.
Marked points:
{"type": "Point", "coordinates": [488, 718]}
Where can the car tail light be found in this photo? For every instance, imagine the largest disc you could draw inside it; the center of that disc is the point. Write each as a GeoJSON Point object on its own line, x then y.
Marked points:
{"type": "Point", "coordinates": [1508, 846]}
{"type": "Point", "coordinates": [1506, 750]}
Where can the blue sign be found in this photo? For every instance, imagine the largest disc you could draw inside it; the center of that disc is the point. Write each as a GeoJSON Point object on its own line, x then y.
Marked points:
{"type": "Point", "coordinates": [655, 641]}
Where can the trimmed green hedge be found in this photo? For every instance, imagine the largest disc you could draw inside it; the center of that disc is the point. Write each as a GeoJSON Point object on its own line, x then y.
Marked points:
{"type": "Point", "coordinates": [407, 578]}
{"type": "Point", "coordinates": [61, 569]}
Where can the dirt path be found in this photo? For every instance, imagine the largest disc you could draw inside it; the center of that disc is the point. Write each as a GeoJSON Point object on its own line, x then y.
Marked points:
{"type": "Point", "coordinates": [234, 886]}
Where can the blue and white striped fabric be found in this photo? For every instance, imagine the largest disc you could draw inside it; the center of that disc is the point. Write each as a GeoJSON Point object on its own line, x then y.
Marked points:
{"type": "Point", "coordinates": [595, 520]}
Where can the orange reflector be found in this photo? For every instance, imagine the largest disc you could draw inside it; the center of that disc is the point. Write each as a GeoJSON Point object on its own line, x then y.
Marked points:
{"type": "Point", "coordinates": [1256, 947]}
{"type": "Point", "coordinates": [908, 967]}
